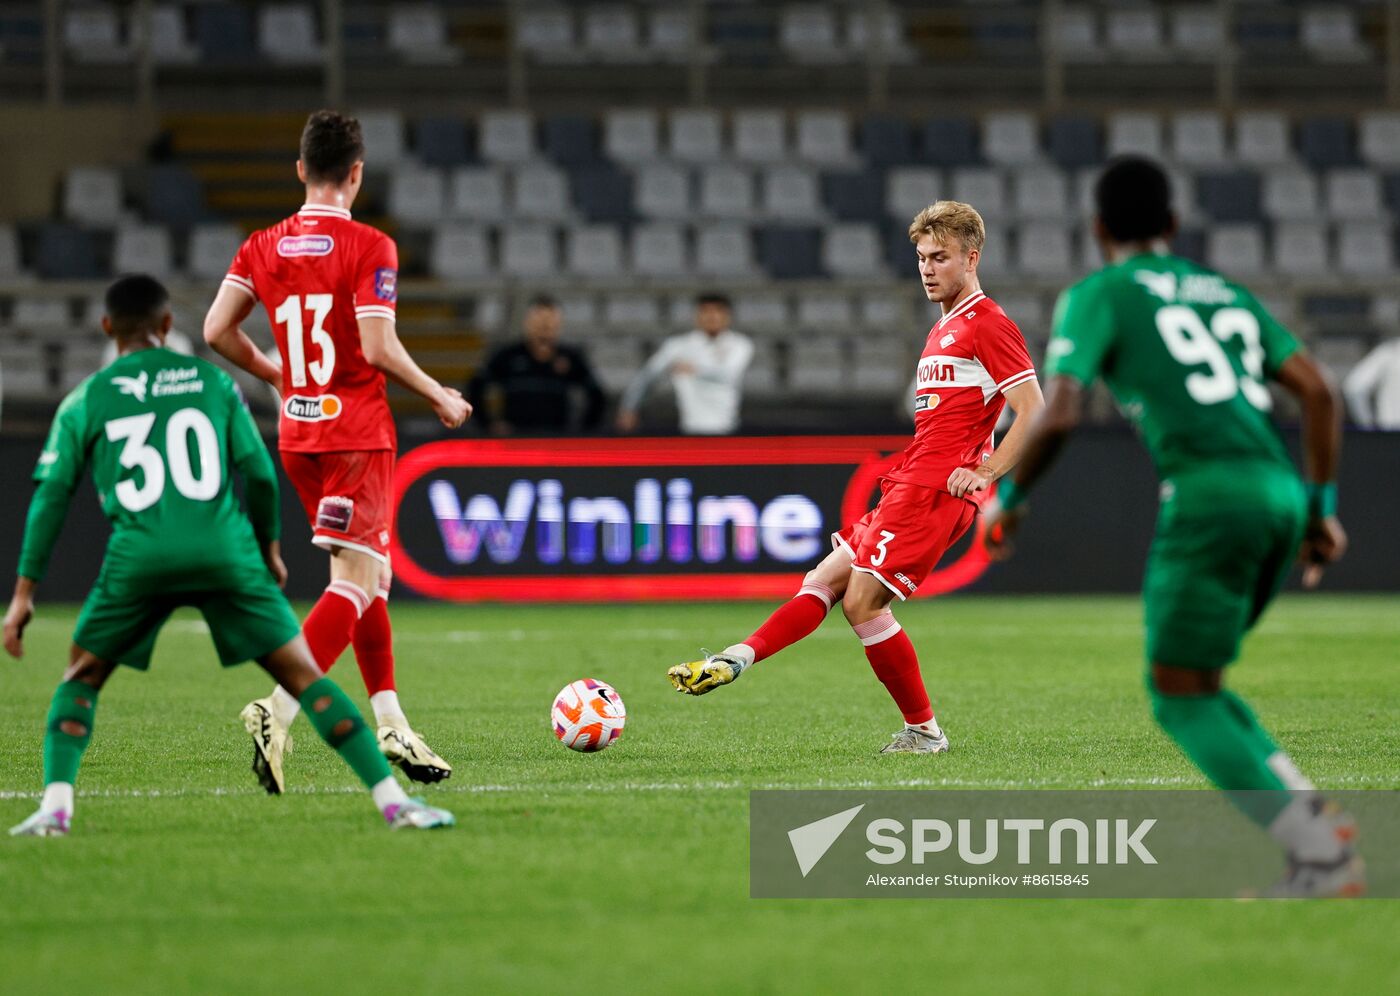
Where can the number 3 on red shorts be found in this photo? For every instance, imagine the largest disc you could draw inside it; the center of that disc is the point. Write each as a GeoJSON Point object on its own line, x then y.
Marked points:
{"type": "Point", "coordinates": [879, 558]}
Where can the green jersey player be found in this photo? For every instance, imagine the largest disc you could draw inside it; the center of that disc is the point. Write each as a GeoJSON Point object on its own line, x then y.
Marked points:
{"type": "Point", "coordinates": [161, 433]}
{"type": "Point", "coordinates": [1187, 355]}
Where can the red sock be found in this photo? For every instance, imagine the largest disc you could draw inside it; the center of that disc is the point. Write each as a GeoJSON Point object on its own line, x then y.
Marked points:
{"type": "Point", "coordinates": [792, 620]}
{"type": "Point", "coordinates": [374, 647]}
{"type": "Point", "coordinates": [332, 620]}
{"type": "Point", "coordinates": [896, 664]}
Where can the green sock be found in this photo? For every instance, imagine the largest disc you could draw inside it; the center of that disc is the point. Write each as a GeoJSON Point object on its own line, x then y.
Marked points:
{"type": "Point", "coordinates": [1220, 734]}
{"type": "Point", "coordinates": [68, 730]}
{"type": "Point", "coordinates": [340, 724]}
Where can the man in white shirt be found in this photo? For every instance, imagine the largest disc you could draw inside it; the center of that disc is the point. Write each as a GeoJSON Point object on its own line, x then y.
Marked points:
{"type": "Point", "coordinates": [1372, 388]}
{"type": "Point", "coordinates": [706, 367]}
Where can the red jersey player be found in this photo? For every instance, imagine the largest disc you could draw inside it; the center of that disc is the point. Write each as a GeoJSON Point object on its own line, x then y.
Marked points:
{"type": "Point", "coordinates": [973, 363]}
{"type": "Point", "coordinates": [329, 285]}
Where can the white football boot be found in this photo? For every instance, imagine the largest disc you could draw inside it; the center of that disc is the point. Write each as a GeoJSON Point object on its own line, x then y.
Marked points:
{"type": "Point", "coordinates": [912, 741]}
{"type": "Point", "coordinates": [43, 824]}
{"type": "Point", "coordinates": [401, 746]}
{"type": "Point", "coordinates": [272, 744]}
{"type": "Point", "coordinates": [415, 814]}
{"type": "Point", "coordinates": [699, 677]}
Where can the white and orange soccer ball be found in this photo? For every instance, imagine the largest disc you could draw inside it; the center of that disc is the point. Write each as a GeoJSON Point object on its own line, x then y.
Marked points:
{"type": "Point", "coordinates": [588, 715]}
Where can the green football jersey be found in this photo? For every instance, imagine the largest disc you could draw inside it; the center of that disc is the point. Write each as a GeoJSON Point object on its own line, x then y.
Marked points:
{"type": "Point", "coordinates": [161, 433]}
{"type": "Point", "coordinates": [1186, 354]}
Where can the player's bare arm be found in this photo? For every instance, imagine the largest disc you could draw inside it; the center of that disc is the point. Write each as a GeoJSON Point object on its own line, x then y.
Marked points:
{"type": "Point", "coordinates": [224, 333]}
{"type": "Point", "coordinates": [17, 617]}
{"type": "Point", "coordinates": [1026, 401]}
{"type": "Point", "coordinates": [1324, 540]}
{"type": "Point", "coordinates": [385, 352]}
{"type": "Point", "coordinates": [1045, 435]}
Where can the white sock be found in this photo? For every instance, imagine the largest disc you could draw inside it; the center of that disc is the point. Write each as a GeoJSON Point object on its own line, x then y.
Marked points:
{"type": "Point", "coordinates": [58, 798]}
{"type": "Point", "coordinates": [284, 706]}
{"type": "Point", "coordinates": [386, 707]}
{"type": "Point", "coordinates": [1305, 834]}
{"type": "Point", "coordinates": [742, 651]}
{"type": "Point", "coordinates": [388, 793]}
{"type": "Point", "coordinates": [931, 727]}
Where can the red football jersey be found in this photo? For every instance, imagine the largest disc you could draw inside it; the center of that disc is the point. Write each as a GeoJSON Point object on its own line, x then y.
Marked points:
{"type": "Point", "coordinates": [973, 355]}
{"type": "Point", "coordinates": [317, 273]}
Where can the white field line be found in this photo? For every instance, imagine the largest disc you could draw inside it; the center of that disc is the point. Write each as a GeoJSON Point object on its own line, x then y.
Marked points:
{"type": "Point", "coordinates": [546, 788]}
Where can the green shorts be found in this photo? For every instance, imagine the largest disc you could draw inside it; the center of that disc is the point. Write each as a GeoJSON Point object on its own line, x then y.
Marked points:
{"type": "Point", "coordinates": [247, 618]}
{"type": "Point", "coordinates": [1226, 539]}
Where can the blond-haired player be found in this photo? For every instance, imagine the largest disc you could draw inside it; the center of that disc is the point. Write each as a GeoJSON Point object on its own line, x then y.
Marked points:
{"type": "Point", "coordinates": [974, 362]}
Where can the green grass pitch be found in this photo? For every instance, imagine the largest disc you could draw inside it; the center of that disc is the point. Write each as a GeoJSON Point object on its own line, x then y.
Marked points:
{"type": "Point", "coordinates": [628, 870]}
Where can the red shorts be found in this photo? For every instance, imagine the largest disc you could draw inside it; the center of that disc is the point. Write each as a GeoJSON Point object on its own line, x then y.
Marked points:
{"type": "Point", "coordinates": [901, 539]}
{"type": "Point", "coordinates": [346, 497]}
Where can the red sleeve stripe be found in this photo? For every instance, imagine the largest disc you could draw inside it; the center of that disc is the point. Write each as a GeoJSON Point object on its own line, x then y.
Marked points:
{"type": "Point", "coordinates": [373, 311]}
{"type": "Point", "coordinates": [242, 283]}
{"type": "Point", "coordinates": [1015, 380]}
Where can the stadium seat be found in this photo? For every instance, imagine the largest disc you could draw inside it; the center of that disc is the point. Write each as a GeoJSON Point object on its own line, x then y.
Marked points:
{"type": "Point", "coordinates": [593, 251]}
{"type": "Point", "coordinates": [170, 40]}
{"type": "Point", "coordinates": [1261, 138]}
{"type": "Point", "coordinates": [440, 141]}
{"type": "Point", "coordinates": [143, 249]}
{"type": "Point", "coordinates": [92, 195]}
{"type": "Point", "coordinates": [664, 190]}
{"type": "Point", "coordinates": [539, 191]}
{"type": "Point", "coordinates": [1290, 193]}
{"type": "Point", "coordinates": [224, 33]}
{"type": "Point", "coordinates": [1027, 310]}
{"type": "Point", "coordinates": [762, 312]}
{"type": "Point", "coordinates": [760, 136]}
{"type": "Point", "coordinates": [790, 251]}
{"type": "Point", "coordinates": [1300, 249]}
{"type": "Point", "coordinates": [603, 193]}
{"type": "Point", "coordinates": [1010, 139]}
{"type": "Point", "coordinates": [789, 193]}
{"type": "Point", "coordinates": [1074, 141]}
{"type": "Point", "coordinates": [670, 33]}
{"type": "Point", "coordinates": [11, 265]}
{"type": "Point", "coordinates": [900, 256]}
{"type": "Point", "coordinates": [506, 137]}
{"type": "Point", "coordinates": [881, 367]}
{"type": "Point", "coordinates": [383, 132]}
{"type": "Point", "coordinates": [1236, 250]}
{"type": "Point", "coordinates": [886, 141]}
{"type": "Point", "coordinates": [1197, 32]}
{"type": "Point", "coordinates": [998, 253]}
{"type": "Point", "coordinates": [580, 313]}
{"type": "Point", "coordinates": [984, 189]}
{"type": "Point", "coordinates": [287, 34]}
{"type": "Point", "coordinates": [694, 136]}
{"type": "Point", "coordinates": [868, 26]}
{"type": "Point", "coordinates": [42, 316]}
{"type": "Point", "coordinates": [477, 193]}
{"type": "Point", "coordinates": [1391, 184]}
{"type": "Point", "coordinates": [27, 373]}
{"type": "Point", "coordinates": [1380, 138]}
{"type": "Point", "coordinates": [1325, 142]}
{"type": "Point", "coordinates": [1330, 34]}
{"type": "Point", "coordinates": [879, 311]}
{"type": "Point", "coordinates": [211, 249]}
{"type": "Point", "coordinates": [824, 137]}
{"type": "Point", "coordinates": [635, 312]}
{"type": "Point", "coordinates": [529, 251]}
{"type": "Point", "coordinates": [807, 33]}
{"type": "Point", "coordinates": [658, 250]}
{"type": "Point", "coordinates": [570, 139]}
{"type": "Point", "coordinates": [1198, 139]}
{"type": "Point", "coordinates": [632, 136]}
{"type": "Point", "coordinates": [1365, 249]}
{"type": "Point", "coordinates": [546, 33]}
{"type": "Point", "coordinates": [612, 33]}
{"type": "Point", "coordinates": [818, 365]}
{"type": "Point", "coordinates": [1135, 34]}
{"type": "Point", "coordinates": [92, 34]}
{"type": "Point", "coordinates": [726, 192]}
{"type": "Point", "coordinates": [1076, 34]}
{"type": "Point", "coordinates": [1040, 192]}
{"type": "Point", "coordinates": [854, 196]}
{"type": "Point", "coordinates": [65, 252]}
{"type": "Point", "coordinates": [761, 375]}
{"type": "Point", "coordinates": [910, 189]}
{"type": "Point", "coordinates": [852, 250]}
{"type": "Point", "coordinates": [616, 361]}
{"type": "Point", "coordinates": [1136, 133]}
{"type": "Point", "coordinates": [417, 33]}
{"type": "Point", "coordinates": [1044, 249]}
{"type": "Point", "coordinates": [1353, 195]}
{"type": "Point", "coordinates": [1229, 195]}
{"type": "Point", "coordinates": [174, 195]}
{"type": "Point", "coordinates": [417, 195]}
{"type": "Point", "coordinates": [950, 142]}
{"type": "Point", "coordinates": [724, 251]}
{"type": "Point", "coordinates": [826, 311]}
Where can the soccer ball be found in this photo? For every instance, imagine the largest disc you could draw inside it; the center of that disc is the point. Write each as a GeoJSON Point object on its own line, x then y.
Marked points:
{"type": "Point", "coordinates": [588, 715]}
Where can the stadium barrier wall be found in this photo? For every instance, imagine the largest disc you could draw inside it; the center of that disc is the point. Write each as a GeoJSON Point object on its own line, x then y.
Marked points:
{"type": "Point", "coordinates": [643, 519]}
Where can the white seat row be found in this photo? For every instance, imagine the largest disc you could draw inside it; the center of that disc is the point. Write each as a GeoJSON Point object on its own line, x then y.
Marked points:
{"type": "Point", "coordinates": [1300, 249]}
{"type": "Point", "coordinates": [608, 33]}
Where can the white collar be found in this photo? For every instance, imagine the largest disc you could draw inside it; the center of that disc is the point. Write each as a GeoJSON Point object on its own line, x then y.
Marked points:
{"type": "Point", "coordinates": [969, 302]}
{"type": "Point", "coordinates": [325, 211]}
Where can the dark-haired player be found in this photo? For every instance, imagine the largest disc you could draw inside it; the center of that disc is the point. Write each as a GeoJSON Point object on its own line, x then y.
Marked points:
{"type": "Point", "coordinates": [330, 286]}
{"type": "Point", "coordinates": [162, 433]}
{"type": "Point", "coordinates": [1188, 355]}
